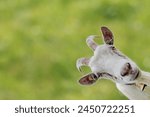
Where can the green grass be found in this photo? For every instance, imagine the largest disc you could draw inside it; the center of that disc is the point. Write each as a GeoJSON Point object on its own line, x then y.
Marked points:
{"type": "Point", "coordinates": [40, 41]}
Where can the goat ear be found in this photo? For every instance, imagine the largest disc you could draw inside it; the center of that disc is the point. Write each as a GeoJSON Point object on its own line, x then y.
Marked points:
{"type": "Point", "coordinates": [88, 79]}
{"type": "Point", "coordinates": [107, 36]}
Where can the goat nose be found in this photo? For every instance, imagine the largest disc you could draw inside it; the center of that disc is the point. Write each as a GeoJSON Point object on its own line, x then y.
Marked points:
{"type": "Point", "coordinates": [128, 66]}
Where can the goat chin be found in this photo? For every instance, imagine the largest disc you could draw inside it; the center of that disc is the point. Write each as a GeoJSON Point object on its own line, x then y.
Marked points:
{"type": "Point", "coordinates": [133, 92]}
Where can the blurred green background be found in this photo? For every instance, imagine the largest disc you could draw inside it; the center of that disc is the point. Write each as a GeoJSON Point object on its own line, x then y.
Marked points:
{"type": "Point", "coordinates": [40, 41]}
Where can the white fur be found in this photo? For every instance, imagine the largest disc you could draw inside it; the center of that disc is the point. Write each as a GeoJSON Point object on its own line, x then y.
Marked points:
{"type": "Point", "coordinates": [104, 60]}
{"type": "Point", "coordinates": [133, 92]}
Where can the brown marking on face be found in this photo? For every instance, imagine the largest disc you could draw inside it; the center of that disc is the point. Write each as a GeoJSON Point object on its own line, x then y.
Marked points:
{"type": "Point", "coordinates": [117, 52]}
{"type": "Point", "coordinates": [107, 75]}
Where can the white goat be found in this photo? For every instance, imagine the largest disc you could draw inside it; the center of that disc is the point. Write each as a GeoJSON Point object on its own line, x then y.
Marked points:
{"type": "Point", "coordinates": [108, 62]}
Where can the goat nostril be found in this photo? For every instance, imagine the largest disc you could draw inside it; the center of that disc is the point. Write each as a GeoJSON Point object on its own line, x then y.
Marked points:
{"type": "Point", "coordinates": [126, 70]}
{"type": "Point", "coordinates": [128, 65]}
{"type": "Point", "coordinates": [124, 73]}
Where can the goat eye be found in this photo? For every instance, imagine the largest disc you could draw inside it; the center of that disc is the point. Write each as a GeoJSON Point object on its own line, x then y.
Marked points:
{"type": "Point", "coordinates": [125, 71]}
